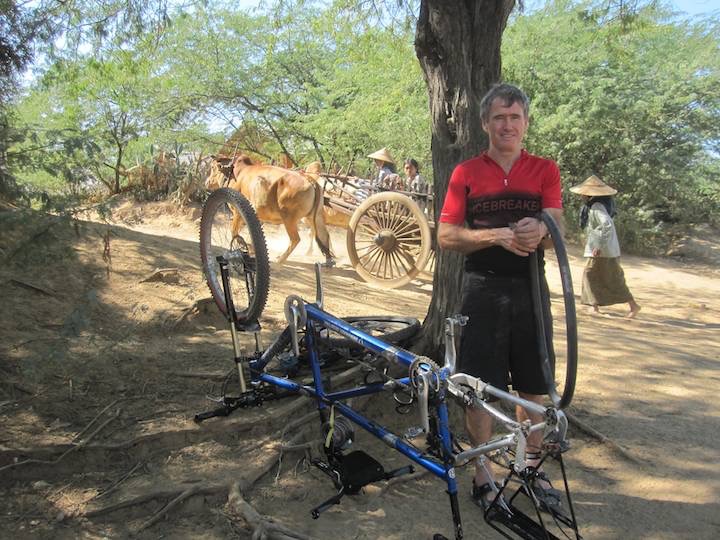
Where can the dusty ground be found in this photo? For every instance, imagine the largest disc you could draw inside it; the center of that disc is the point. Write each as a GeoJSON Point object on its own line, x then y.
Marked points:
{"type": "Point", "coordinates": [99, 382]}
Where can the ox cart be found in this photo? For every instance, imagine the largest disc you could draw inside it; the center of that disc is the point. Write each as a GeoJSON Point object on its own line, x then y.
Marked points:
{"type": "Point", "coordinates": [390, 232]}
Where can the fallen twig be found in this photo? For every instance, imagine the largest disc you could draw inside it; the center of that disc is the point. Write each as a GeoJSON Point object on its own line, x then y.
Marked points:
{"type": "Point", "coordinates": [68, 451]}
{"type": "Point", "coordinates": [169, 506]}
{"type": "Point", "coordinates": [82, 432]}
{"type": "Point", "coordinates": [116, 485]}
{"type": "Point", "coordinates": [589, 430]}
{"type": "Point", "coordinates": [32, 287]}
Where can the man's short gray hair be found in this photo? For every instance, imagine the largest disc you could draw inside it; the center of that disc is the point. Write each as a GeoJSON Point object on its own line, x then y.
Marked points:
{"type": "Point", "coordinates": [509, 94]}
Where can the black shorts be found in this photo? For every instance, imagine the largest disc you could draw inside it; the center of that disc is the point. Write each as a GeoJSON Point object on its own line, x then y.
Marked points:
{"type": "Point", "coordinates": [500, 339]}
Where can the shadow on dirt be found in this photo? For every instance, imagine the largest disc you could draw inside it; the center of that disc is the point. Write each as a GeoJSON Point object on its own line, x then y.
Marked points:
{"type": "Point", "coordinates": [102, 373]}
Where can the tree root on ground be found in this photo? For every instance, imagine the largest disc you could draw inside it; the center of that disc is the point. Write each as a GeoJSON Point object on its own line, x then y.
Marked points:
{"type": "Point", "coordinates": [80, 455]}
{"type": "Point", "coordinates": [190, 492]}
{"type": "Point", "coordinates": [199, 306]}
{"type": "Point", "coordinates": [178, 495]}
{"type": "Point", "coordinates": [33, 287]}
{"type": "Point", "coordinates": [166, 275]}
{"type": "Point", "coordinates": [393, 482]}
{"type": "Point", "coordinates": [31, 240]}
{"type": "Point", "coordinates": [264, 527]}
{"type": "Point", "coordinates": [116, 484]}
{"type": "Point", "coordinates": [140, 447]}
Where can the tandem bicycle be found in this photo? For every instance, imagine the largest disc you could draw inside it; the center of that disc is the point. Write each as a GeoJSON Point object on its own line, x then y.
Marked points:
{"type": "Point", "coordinates": [430, 384]}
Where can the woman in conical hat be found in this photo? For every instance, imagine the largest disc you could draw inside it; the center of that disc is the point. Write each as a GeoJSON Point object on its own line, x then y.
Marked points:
{"type": "Point", "coordinates": [593, 187]}
{"type": "Point", "coordinates": [382, 156]}
{"type": "Point", "coordinates": [603, 278]}
{"type": "Point", "coordinates": [385, 164]}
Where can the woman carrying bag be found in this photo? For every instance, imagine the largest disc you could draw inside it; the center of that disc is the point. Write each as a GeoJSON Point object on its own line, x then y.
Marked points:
{"type": "Point", "coordinates": [603, 278]}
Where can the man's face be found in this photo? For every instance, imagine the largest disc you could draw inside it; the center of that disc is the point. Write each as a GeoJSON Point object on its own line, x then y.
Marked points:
{"type": "Point", "coordinates": [506, 126]}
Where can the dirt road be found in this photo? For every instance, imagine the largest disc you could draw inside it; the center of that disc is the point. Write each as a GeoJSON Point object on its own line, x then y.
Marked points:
{"type": "Point", "coordinates": [101, 373]}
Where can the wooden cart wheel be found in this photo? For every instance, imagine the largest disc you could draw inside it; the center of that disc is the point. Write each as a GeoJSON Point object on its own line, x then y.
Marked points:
{"type": "Point", "coordinates": [388, 239]}
{"type": "Point", "coordinates": [429, 270]}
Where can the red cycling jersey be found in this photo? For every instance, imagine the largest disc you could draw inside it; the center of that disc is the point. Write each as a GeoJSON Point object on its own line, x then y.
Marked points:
{"type": "Point", "coordinates": [483, 196]}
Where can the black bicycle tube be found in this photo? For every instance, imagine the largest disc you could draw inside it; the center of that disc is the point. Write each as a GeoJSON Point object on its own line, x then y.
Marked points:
{"type": "Point", "coordinates": [398, 336]}
{"type": "Point", "coordinates": [541, 306]}
{"type": "Point", "coordinates": [541, 323]}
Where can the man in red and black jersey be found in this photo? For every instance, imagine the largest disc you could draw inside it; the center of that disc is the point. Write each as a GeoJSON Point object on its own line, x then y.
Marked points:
{"type": "Point", "coordinates": [489, 215]}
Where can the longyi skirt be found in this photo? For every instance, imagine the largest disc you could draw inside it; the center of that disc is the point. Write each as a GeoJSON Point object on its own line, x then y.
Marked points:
{"type": "Point", "coordinates": [604, 282]}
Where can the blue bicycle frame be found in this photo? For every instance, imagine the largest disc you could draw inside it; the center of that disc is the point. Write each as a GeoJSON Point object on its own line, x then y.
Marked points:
{"type": "Point", "coordinates": [317, 318]}
{"type": "Point", "coordinates": [432, 385]}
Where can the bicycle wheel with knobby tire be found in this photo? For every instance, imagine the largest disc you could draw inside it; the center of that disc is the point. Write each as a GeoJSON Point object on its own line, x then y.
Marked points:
{"type": "Point", "coordinates": [388, 239]}
{"type": "Point", "coordinates": [230, 228]}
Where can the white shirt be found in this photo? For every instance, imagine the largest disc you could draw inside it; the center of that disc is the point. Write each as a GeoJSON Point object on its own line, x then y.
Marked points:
{"type": "Point", "coordinates": [601, 233]}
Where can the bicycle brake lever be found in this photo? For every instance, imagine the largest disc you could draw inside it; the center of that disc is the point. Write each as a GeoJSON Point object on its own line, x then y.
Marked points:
{"type": "Point", "coordinates": [295, 316]}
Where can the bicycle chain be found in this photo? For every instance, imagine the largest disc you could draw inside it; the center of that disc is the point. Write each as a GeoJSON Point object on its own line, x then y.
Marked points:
{"type": "Point", "coordinates": [433, 367]}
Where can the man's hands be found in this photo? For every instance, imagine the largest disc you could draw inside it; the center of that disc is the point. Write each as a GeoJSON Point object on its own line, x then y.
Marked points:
{"type": "Point", "coordinates": [523, 238]}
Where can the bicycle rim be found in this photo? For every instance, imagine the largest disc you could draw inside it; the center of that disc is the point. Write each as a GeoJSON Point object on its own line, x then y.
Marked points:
{"type": "Point", "coordinates": [230, 228]}
{"type": "Point", "coordinates": [389, 328]}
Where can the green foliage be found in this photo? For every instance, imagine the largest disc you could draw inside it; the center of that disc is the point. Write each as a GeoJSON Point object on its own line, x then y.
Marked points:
{"type": "Point", "coordinates": [373, 96]}
{"type": "Point", "coordinates": [30, 29]}
{"type": "Point", "coordinates": [320, 84]}
{"type": "Point", "coordinates": [313, 83]}
{"type": "Point", "coordinates": [620, 98]}
{"type": "Point", "coordinates": [619, 89]}
{"type": "Point", "coordinates": [16, 34]}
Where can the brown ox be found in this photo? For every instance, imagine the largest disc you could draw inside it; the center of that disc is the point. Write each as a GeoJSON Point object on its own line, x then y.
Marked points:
{"type": "Point", "coordinates": [278, 196]}
{"type": "Point", "coordinates": [313, 171]}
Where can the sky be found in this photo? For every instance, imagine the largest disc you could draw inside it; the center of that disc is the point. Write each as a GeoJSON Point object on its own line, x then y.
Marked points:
{"type": "Point", "coordinates": [691, 7]}
{"type": "Point", "coordinates": [697, 7]}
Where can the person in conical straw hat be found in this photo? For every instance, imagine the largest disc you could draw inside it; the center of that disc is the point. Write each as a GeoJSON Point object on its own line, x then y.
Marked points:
{"type": "Point", "coordinates": [594, 187]}
{"type": "Point", "coordinates": [382, 156]}
{"type": "Point", "coordinates": [603, 278]}
{"type": "Point", "coordinates": [385, 164]}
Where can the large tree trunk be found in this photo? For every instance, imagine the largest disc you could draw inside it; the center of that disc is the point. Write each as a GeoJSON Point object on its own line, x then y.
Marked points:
{"type": "Point", "coordinates": [458, 45]}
